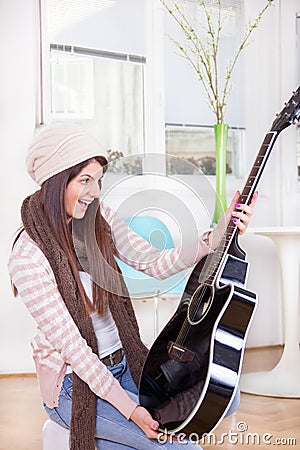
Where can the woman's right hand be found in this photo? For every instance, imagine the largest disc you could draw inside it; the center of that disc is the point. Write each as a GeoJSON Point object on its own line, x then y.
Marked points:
{"type": "Point", "coordinates": [143, 419]}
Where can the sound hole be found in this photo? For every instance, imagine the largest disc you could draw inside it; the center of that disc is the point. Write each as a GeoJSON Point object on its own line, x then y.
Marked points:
{"type": "Point", "coordinates": [200, 304]}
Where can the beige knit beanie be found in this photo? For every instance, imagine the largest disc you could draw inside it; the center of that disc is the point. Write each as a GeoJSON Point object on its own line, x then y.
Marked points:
{"type": "Point", "coordinates": [57, 147]}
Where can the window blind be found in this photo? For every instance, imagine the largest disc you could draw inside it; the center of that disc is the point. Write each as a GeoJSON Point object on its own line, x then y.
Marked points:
{"type": "Point", "coordinates": [109, 25]}
{"type": "Point", "coordinates": [185, 96]}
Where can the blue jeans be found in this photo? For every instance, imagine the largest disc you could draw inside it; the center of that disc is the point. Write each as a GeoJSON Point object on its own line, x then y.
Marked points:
{"type": "Point", "coordinates": [113, 430]}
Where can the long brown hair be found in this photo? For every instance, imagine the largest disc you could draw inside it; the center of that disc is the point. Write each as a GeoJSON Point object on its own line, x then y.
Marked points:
{"type": "Point", "coordinates": [92, 229]}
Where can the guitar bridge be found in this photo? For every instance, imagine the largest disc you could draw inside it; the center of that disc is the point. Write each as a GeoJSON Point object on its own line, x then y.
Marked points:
{"type": "Point", "coordinates": [179, 353]}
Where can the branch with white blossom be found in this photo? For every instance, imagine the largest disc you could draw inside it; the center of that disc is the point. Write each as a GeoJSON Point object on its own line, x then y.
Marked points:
{"type": "Point", "coordinates": [202, 53]}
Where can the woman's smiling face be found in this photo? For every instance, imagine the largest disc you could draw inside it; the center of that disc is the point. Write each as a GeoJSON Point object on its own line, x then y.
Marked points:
{"type": "Point", "coordinates": [83, 189]}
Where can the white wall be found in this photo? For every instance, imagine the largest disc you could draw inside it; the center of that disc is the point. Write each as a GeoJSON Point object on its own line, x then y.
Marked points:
{"type": "Point", "coordinates": [17, 81]}
{"type": "Point", "coordinates": [271, 73]}
{"type": "Point", "coordinates": [270, 78]}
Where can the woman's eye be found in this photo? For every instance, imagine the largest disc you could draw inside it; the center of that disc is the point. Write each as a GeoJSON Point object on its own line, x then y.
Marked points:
{"type": "Point", "coordinates": [85, 181]}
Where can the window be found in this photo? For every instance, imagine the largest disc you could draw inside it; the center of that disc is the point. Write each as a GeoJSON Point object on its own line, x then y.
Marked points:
{"type": "Point", "coordinates": [196, 145]}
{"type": "Point", "coordinates": [96, 77]}
{"type": "Point", "coordinates": [189, 132]}
{"type": "Point", "coordinates": [96, 70]}
{"type": "Point", "coordinates": [104, 94]}
{"type": "Point", "coordinates": [72, 86]}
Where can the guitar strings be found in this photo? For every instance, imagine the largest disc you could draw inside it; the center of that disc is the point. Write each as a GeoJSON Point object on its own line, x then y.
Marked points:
{"type": "Point", "coordinates": [213, 267]}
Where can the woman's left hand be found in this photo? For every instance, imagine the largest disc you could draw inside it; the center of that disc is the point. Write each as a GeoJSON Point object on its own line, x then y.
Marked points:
{"type": "Point", "coordinates": [240, 214]}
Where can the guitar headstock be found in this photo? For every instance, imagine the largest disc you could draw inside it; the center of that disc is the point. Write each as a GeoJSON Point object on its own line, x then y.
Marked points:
{"type": "Point", "coordinates": [289, 115]}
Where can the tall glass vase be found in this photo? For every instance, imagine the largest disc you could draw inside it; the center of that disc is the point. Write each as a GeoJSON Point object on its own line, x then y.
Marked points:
{"type": "Point", "coordinates": [221, 135]}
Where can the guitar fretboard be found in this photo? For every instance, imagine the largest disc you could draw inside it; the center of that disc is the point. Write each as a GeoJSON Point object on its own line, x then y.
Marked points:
{"type": "Point", "coordinates": [212, 270]}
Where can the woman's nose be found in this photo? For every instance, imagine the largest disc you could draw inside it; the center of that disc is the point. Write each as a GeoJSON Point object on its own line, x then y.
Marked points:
{"type": "Point", "coordinates": [94, 189]}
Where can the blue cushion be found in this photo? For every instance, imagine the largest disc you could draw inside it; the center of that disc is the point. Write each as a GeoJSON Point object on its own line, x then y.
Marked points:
{"type": "Point", "coordinates": [154, 231]}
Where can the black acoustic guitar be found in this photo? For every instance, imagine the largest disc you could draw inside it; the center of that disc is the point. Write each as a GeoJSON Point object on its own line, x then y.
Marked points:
{"type": "Point", "coordinates": [192, 370]}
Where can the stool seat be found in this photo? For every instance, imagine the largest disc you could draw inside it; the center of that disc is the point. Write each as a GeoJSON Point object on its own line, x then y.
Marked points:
{"type": "Point", "coordinates": [55, 437]}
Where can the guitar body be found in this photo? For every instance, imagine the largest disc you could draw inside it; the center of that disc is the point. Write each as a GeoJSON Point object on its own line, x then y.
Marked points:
{"type": "Point", "coordinates": [189, 386]}
{"type": "Point", "coordinates": [192, 370]}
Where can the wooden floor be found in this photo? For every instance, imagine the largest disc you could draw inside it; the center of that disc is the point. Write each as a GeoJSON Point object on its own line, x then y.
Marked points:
{"type": "Point", "coordinates": [266, 418]}
{"type": "Point", "coordinates": [261, 422]}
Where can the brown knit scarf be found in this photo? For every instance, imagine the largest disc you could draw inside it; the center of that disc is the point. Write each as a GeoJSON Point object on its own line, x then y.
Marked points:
{"type": "Point", "coordinates": [83, 399]}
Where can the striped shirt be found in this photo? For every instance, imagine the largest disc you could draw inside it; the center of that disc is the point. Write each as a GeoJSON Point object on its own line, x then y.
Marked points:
{"type": "Point", "coordinates": [58, 342]}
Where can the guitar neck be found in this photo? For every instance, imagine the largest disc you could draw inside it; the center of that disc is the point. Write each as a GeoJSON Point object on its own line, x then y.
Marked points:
{"type": "Point", "coordinates": [253, 179]}
{"type": "Point", "coordinates": [245, 198]}
{"type": "Point", "coordinates": [258, 167]}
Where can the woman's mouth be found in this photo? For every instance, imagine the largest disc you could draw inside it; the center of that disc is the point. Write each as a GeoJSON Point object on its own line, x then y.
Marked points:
{"type": "Point", "coordinates": [84, 204]}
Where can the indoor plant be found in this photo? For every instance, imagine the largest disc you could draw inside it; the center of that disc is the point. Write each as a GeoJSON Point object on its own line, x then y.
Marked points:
{"type": "Point", "coordinates": [202, 52]}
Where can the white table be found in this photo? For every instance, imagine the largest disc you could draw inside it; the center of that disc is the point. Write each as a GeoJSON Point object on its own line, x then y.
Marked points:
{"type": "Point", "coordinates": [284, 379]}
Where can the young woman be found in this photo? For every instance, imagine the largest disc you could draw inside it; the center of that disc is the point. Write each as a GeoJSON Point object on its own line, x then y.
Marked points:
{"type": "Point", "coordinates": [87, 351]}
